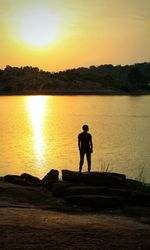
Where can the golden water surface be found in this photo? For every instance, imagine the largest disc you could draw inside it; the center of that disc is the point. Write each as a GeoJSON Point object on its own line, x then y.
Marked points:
{"type": "Point", "coordinates": [38, 133]}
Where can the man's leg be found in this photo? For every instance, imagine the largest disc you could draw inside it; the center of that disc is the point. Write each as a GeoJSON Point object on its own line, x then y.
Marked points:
{"type": "Point", "coordinates": [88, 156]}
{"type": "Point", "coordinates": [81, 160]}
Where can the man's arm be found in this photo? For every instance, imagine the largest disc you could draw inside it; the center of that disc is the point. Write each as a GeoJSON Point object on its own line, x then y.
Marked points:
{"type": "Point", "coordinates": [79, 143]}
{"type": "Point", "coordinates": [91, 144]}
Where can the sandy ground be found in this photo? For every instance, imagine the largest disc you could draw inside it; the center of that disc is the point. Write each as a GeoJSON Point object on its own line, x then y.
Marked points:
{"type": "Point", "coordinates": [28, 221]}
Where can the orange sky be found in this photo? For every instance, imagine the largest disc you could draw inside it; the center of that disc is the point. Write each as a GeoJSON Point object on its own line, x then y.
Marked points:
{"type": "Point", "coordinates": [61, 34]}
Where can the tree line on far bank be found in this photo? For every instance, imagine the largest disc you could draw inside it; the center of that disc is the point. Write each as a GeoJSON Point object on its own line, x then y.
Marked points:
{"type": "Point", "coordinates": [95, 78]}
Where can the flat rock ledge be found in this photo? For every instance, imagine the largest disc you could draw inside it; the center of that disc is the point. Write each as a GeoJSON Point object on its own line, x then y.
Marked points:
{"type": "Point", "coordinates": [95, 190]}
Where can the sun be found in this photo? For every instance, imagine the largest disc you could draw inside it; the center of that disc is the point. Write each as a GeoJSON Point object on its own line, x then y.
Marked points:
{"type": "Point", "coordinates": [38, 27]}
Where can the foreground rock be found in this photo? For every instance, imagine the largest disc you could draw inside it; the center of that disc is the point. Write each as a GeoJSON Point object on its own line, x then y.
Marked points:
{"type": "Point", "coordinates": [23, 179]}
{"type": "Point", "coordinates": [95, 178]}
{"type": "Point", "coordinates": [30, 178]}
{"type": "Point", "coordinates": [16, 179]}
{"type": "Point", "coordinates": [50, 178]}
{"type": "Point", "coordinates": [95, 201]}
{"type": "Point", "coordinates": [98, 190]}
{"type": "Point", "coordinates": [60, 188]}
{"type": "Point", "coordinates": [19, 196]}
{"type": "Point", "coordinates": [101, 190]}
{"type": "Point", "coordinates": [94, 190]}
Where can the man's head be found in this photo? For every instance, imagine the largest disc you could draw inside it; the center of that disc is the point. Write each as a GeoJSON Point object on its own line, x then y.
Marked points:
{"type": "Point", "coordinates": [85, 128]}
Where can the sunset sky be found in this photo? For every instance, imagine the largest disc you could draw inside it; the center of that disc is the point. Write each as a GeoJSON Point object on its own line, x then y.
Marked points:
{"type": "Point", "coordinates": [61, 34]}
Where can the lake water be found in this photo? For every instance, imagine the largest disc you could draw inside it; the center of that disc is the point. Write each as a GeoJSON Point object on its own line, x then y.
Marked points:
{"type": "Point", "coordinates": [38, 133]}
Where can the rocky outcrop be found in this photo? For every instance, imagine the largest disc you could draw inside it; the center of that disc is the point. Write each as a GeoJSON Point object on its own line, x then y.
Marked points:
{"type": "Point", "coordinates": [16, 179]}
{"type": "Point", "coordinates": [60, 188]}
{"type": "Point", "coordinates": [94, 201]}
{"type": "Point", "coordinates": [101, 190]}
{"type": "Point", "coordinates": [27, 179]}
{"type": "Point", "coordinates": [30, 178]}
{"type": "Point", "coordinates": [50, 178]}
{"type": "Point", "coordinates": [95, 178]}
{"type": "Point", "coordinates": [138, 198]}
{"type": "Point", "coordinates": [96, 190]}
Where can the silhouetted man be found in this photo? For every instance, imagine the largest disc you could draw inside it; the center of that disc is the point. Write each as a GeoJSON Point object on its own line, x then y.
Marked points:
{"type": "Point", "coordinates": [85, 147]}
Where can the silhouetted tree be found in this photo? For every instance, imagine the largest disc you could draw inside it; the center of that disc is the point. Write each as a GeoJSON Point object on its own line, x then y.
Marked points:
{"type": "Point", "coordinates": [128, 78]}
{"type": "Point", "coordinates": [136, 79]}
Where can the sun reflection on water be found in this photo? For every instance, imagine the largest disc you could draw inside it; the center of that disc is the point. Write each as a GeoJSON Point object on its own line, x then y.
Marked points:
{"type": "Point", "coordinates": [36, 106]}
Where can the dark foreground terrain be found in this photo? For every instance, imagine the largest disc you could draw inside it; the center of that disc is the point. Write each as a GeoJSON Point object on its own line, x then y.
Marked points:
{"type": "Point", "coordinates": [31, 218]}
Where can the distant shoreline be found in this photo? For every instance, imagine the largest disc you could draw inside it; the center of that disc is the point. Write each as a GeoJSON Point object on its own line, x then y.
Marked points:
{"type": "Point", "coordinates": [76, 92]}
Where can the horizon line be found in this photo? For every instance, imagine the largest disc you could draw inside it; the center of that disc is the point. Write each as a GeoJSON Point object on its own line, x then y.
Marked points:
{"type": "Point", "coordinates": [114, 65]}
